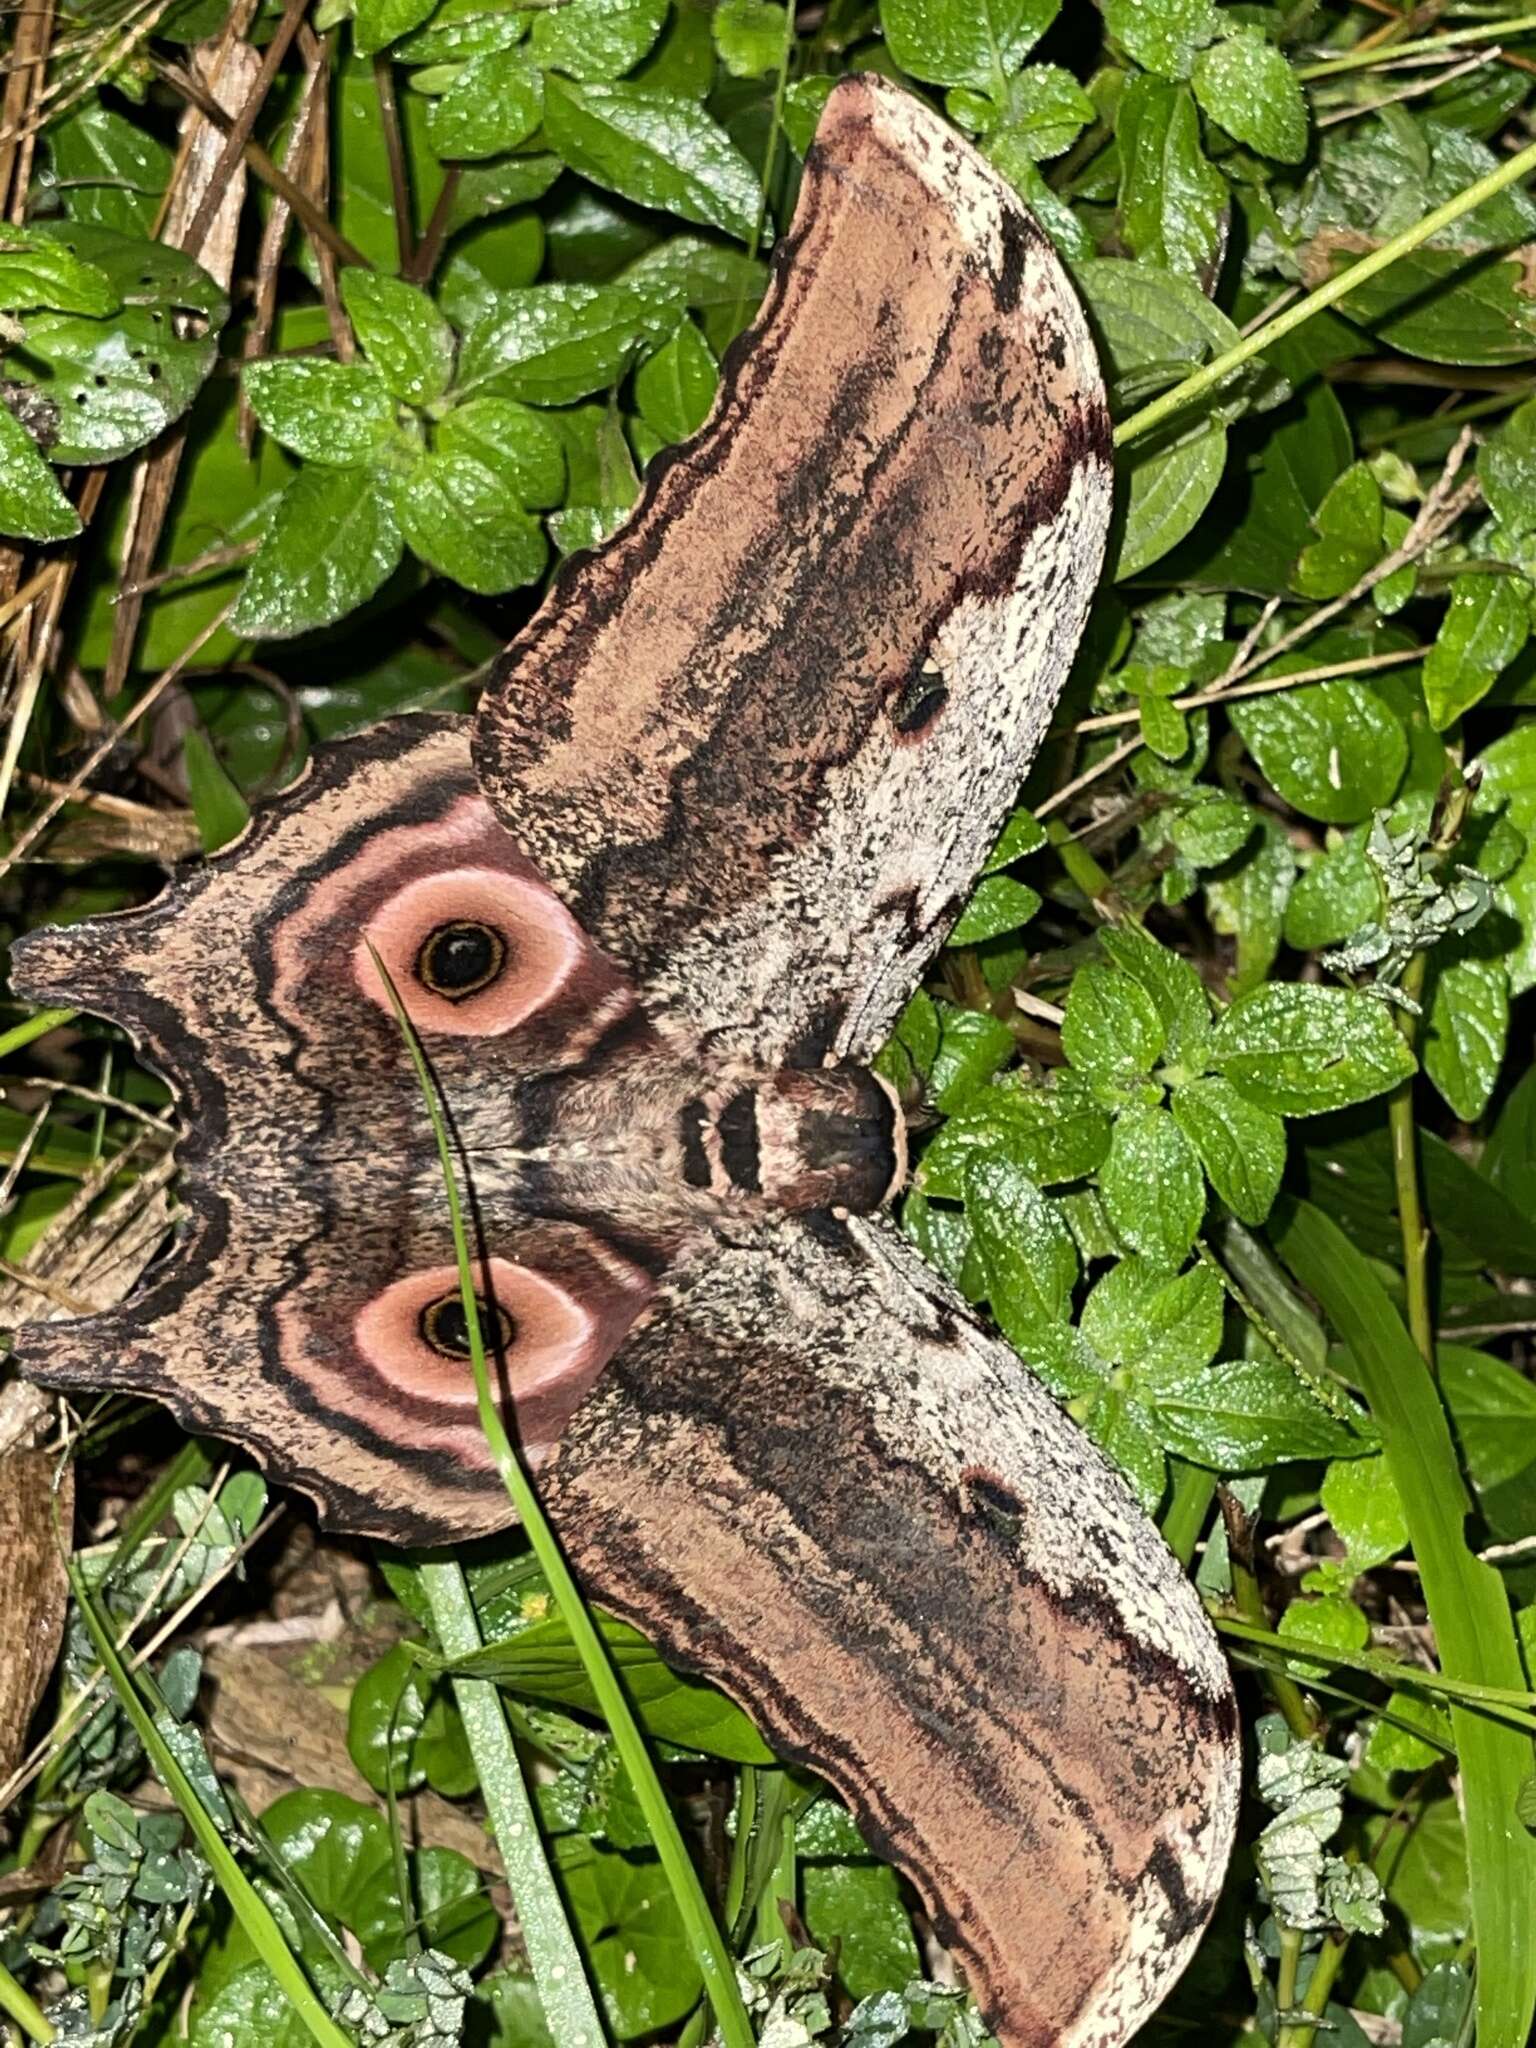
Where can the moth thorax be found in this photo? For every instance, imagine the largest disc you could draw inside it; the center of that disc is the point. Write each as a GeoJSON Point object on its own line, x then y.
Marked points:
{"type": "Point", "coordinates": [828, 1138]}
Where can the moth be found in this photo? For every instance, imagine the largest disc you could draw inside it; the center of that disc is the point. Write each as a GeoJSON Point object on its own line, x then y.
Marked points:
{"type": "Point", "coordinates": [652, 913]}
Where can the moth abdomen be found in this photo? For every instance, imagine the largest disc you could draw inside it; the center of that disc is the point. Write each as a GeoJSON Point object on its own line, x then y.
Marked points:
{"type": "Point", "coordinates": [794, 1141]}
{"type": "Point", "coordinates": [829, 1138]}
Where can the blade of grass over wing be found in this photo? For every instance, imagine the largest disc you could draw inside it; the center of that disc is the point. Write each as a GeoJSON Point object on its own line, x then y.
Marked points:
{"type": "Point", "coordinates": [1467, 1605]}
{"type": "Point", "coordinates": [249, 1908]}
{"type": "Point", "coordinates": [710, 1952]}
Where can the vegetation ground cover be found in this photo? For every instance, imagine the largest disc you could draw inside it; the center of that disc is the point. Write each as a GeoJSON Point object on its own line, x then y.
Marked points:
{"type": "Point", "coordinates": [327, 330]}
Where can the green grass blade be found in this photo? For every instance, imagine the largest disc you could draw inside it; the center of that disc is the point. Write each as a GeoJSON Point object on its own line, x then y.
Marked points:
{"type": "Point", "coordinates": [248, 1906]}
{"type": "Point", "coordinates": [1206, 379]}
{"type": "Point", "coordinates": [711, 1954]}
{"type": "Point", "coordinates": [38, 1025]}
{"type": "Point", "coordinates": [1467, 1607]}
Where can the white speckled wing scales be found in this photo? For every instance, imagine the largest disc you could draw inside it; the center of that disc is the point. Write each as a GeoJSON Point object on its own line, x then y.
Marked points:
{"type": "Point", "coordinates": [822, 1483]}
{"type": "Point", "coordinates": [763, 740]}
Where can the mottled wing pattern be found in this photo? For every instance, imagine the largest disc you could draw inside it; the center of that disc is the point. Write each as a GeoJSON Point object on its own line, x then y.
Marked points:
{"type": "Point", "coordinates": [314, 1238]}
{"type": "Point", "coordinates": [762, 742]}
{"type": "Point", "coordinates": [817, 1480]}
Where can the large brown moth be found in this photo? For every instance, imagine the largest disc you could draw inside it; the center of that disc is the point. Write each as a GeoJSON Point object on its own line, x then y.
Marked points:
{"type": "Point", "coordinates": [652, 913]}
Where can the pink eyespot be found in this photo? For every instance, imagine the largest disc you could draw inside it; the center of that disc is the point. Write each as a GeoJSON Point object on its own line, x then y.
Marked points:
{"type": "Point", "coordinates": [472, 952]}
{"type": "Point", "coordinates": [415, 1335]}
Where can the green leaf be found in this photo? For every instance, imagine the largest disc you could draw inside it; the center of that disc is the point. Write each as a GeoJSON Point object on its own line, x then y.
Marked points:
{"type": "Point", "coordinates": [1026, 1249]}
{"type": "Point", "coordinates": [596, 40]}
{"type": "Point", "coordinates": [334, 413]}
{"type": "Point", "coordinates": [377, 23]}
{"type": "Point", "coordinates": [1493, 1410]}
{"type": "Point", "coordinates": [541, 1662]}
{"type": "Point", "coordinates": [1438, 304]}
{"type": "Point", "coordinates": [37, 270]}
{"type": "Point", "coordinates": [964, 42]}
{"type": "Point", "coordinates": [856, 1910]}
{"type": "Point", "coordinates": [1240, 1145]}
{"type": "Point", "coordinates": [455, 517]}
{"type": "Point", "coordinates": [461, 29]}
{"type": "Point", "coordinates": [32, 506]}
{"type": "Point", "coordinates": [1248, 903]}
{"type": "Point", "coordinates": [112, 170]}
{"type": "Point", "coordinates": [1509, 1158]}
{"type": "Point", "coordinates": [116, 383]}
{"type": "Point", "coordinates": [518, 446]}
{"type": "Point", "coordinates": [1050, 1134]}
{"type": "Point", "coordinates": [495, 104]}
{"type": "Point", "coordinates": [339, 1850]}
{"type": "Point", "coordinates": [1333, 897]}
{"type": "Point", "coordinates": [631, 1933]}
{"type": "Point", "coordinates": [1506, 469]}
{"type": "Point", "coordinates": [720, 284]}
{"type": "Point", "coordinates": [1143, 1318]}
{"type": "Point", "coordinates": [1486, 624]}
{"type": "Point", "coordinates": [1508, 791]}
{"type": "Point", "coordinates": [1112, 1032]}
{"type": "Point", "coordinates": [222, 813]}
{"type": "Point", "coordinates": [998, 905]}
{"type": "Point", "coordinates": [1148, 319]}
{"type": "Point", "coordinates": [1044, 113]}
{"type": "Point", "coordinates": [1152, 1185]}
{"type": "Point", "coordinates": [1332, 749]}
{"type": "Point", "coordinates": [404, 336]}
{"type": "Point", "coordinates": [331, 540]}
{"type": "Point", "coordinates": [1172, 200]}
{"type": "Point", "coordinates": [1164, 728]}
{"type": "Point", "coordinates": [1297, 1049]}
{"type": "Point", "coordinates": [657, 149]}
{"type": "Point", "coordinates": [1349, 522]}
{"type": "Point", "coordinates": [972, 1046]}
{"type": "Point", "coordinates": [1361, 1499]}
{"type": "Point", "coordinates": [1466, 1030]}
{"type": "Point", "coordinates": [1468, 1607]}
{"type": "Point", "coordinates": [675, 387]}
{"type": "Point", "coordinates": [750, 36]}
{"type": "Point", "coordinates": [1246, 85]}
{"type": "Point", "coordinates": [1243, 1415]}
{"type": "Point", "coordinates": [403, 1729]}
{"type": "Point", "coordinates": [1210, 829]}
{"type": "Point", "coordinates": [551, 343]}
{"type": "Point", "coordinates": [1023, 834]}
{"type": "Point", "coordinates": [1163, 37]}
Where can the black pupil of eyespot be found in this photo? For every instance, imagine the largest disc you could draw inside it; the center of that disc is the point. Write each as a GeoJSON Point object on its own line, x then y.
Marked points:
{"type": "Point", "coordinates": [460, 958]}
{"type": "Point", "coordinates": [446, 1327]}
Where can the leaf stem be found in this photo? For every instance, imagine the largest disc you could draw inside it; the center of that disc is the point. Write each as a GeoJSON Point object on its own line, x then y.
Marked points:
{"type": "Point", "coordinates": [557, 1966]}
{"type": "Point", "coordinates": [1210, 375]}
{"type": "Point", "coordinates": [1425, 46]}
{"type": "Point", "coordinates": [1405, 1174]}
{"type": "Point", "coordinates": [1283, 1689]}
{"type": "Point", "coordinates": [19, 2004]}
{"type": "Point", "coordinates": [1319, 1989]}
